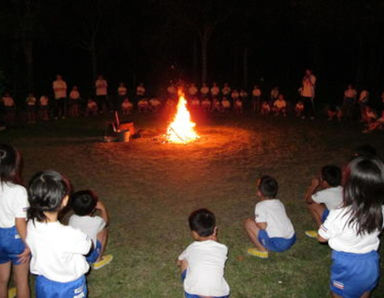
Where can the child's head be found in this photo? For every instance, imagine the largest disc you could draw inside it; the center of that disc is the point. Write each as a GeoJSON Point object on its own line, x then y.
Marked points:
{"type": "Point", "coordinates": [267, 187]}
{"type": "Point", "coordinates": [48, 191]}
{"type": "Point", "coordinates": [83, 202]}
{"type": "Point", "coordinates": [331, 175]}
{"type": "Point", "coordinates": [365, 150]}
{"type": "Point", "coordinates": [202, 222]}
{"type": "Point", "coordinates": [364, 193]}
{"type": "Point", "coordinates": [9, 164]}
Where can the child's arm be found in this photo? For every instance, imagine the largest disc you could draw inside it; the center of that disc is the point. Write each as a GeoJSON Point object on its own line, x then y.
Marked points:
{"type": "Point", "coordinates": [103, 212]}
{"type": "Point", "coordinates": [261, 225]}
{"type": "Point", "coordinates": [311, 190]}
{"type": "Point", "coordinates": [21, 227]}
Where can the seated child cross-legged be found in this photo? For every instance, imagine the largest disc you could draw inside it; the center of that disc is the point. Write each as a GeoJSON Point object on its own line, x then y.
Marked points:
{"type": "Point", "coordinates": [202, 262]}
{"type": "Point", "coordinates": [353, 230]}
{"type": "Point", "coordinates": [84, 204]}
{"type": "Point", "coordinates": [324, 194]}
{"type": "Point", "coordinates": [271, 229]}
{"type": "Point", "coordinates": [58, 251]}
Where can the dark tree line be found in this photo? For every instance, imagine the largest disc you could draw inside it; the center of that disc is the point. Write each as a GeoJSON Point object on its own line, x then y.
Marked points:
{"type": "Point", "coordinates": [158, 40]}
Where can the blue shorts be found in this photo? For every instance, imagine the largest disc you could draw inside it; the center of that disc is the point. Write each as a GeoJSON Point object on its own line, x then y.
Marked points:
{"type": "Point", "coordinates": [324, 215]}
{"type": "Point", "coordinates": [354, 274]}
{"type": "Point", "coordinates": [11, 245]}
{"type": "Point", "coordinates": [276, 244]}
{"type": "Point", "coordinates": [46, 288]}
{"type": "Point", "coordinates": [187, 295]}
{"type": "Point", "coordinates": [94, 253]}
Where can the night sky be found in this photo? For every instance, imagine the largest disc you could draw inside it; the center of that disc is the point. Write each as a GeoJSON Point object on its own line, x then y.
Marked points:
{"type": "Point", "coordinates": [267, 42]}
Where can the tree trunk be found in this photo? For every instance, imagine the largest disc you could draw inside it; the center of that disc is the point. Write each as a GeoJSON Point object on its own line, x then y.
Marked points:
{"type": "Point", "coordinates": [245, 68]}
{"type": "Point", "coordinates": [28, 55]}
{"type": "Point", "coordinates": [92, 51]}
{"type": "Point", "coordinates": [195, 60]}
{"type": "Point", "coordinates": [204, 59]}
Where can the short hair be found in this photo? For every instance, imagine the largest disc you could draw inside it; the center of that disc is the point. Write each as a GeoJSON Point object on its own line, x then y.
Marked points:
{"type": "Point", "coordinates": [203, 222]}
{"type": "Point", "coordinates": [83, 202]}
{"type": "Point", "coordinates": [268, 186]}
{"type": "Point", "coordinates": [331, 174]}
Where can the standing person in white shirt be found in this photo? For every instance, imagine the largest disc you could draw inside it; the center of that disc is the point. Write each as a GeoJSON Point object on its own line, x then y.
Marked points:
{"type": "Point", "coordinates": [226, 91]}
{"type": "Point", "coordinates": [14, 253]}
{"type": "Point", "coordinates": [58, 251]}
{"type": "Point", "coordinates": [74, 102]}
{"type": "Point", "coordinates": [308, 93]}
{"type": "Point", "coordinates": [44, 107]}
{"type": "Point", "coordinates": [85, 203]}
{"type": "Point", "coordinates": [60, 102]}
{"type": "Point", "coordinates": [270, 229]}
{"type": "Point", "coordinates": [101, 87]}
{"type": "Point", "coordinates": [324, 194]}
{"type": "Point", "coordinates": [349, 102]}
{"type": "Point", "coordinates": [353, 231]}
{"type": "Point", "coordinates": [202, 262]}
{"type": "Point", "coordinates": [256, 99]}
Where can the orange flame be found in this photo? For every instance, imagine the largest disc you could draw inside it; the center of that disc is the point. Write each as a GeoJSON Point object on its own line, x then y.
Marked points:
{"type": "Point", "coordinates": [181, 130]}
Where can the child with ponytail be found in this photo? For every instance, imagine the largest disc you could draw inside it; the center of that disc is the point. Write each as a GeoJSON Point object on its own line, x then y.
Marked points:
{"type": "Point", "coordinates": [353, 230]}
{"type": "Point", "coordinates": [14, 254]}
{"type": "Point", "coordinates": [57, 250]}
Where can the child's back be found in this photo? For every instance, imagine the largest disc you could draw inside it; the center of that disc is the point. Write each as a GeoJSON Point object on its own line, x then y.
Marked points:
{"type": "Point", "coordinates": [57, 251]}
{"type": "Point", "coordinates": [206, 261]}
{"type": "Point", "coordinates": [202, 262]}
{"type": "Point", "coordinates": [272, 211]}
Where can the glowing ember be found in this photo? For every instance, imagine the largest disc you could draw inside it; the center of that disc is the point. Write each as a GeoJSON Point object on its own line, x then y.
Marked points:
{"type": "Point", "coordinates": [181, 130]}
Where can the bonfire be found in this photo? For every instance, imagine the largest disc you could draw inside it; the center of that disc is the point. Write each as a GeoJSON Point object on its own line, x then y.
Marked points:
{"type": "Point", "coordinates": [181, 130]}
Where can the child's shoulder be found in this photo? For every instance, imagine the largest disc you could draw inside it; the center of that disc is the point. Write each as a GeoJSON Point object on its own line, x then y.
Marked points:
{"type": "Point", "coordinates": [208, 245]}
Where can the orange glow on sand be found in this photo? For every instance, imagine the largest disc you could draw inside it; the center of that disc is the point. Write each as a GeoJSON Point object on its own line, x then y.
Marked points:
{"type": "Point", "coordinates": [181, 130]}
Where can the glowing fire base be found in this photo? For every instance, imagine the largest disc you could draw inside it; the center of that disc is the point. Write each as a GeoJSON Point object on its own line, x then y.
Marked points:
{"type": "Point", "coordinates": [181, 130]}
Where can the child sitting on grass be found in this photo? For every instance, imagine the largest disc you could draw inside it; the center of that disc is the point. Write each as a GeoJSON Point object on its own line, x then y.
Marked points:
{"type": "Point", "coordinates": [271, 229]}
{"type": "Point", "coordinates": [202, 262]}
{"type": "Point", "coordinates": [324, 194]}
{"type": "Point", "coordinates": [84, 204]}
{"type": "Point", "coordinates": [353, 231]}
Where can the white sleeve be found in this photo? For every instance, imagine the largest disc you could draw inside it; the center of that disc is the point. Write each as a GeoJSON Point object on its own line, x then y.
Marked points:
{"type": "Point", "coordinates": [20, 203]}
{"type": "Point", "coordinates": [100, 223]}
{"type": "Point", "coordinates": [183, 255]}
{"type": "Point", "coordinates": [78, 242]}
{"type": "Point", "coordinates": [329, 228]}
{"type": "Point", "coordinates": [260, 213]}
{"type": "Point", "coordinates": [319, 197]}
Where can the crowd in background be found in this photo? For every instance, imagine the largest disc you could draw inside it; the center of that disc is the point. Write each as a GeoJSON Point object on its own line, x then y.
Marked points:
{"type": "Point", "coordinates": [65, 102]}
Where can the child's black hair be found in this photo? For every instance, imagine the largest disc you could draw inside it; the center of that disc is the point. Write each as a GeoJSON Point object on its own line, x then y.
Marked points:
{"type": "Point", "coordinates": [83, 202]}
{"type": "Point", "coordinates": [46, 192]}
{"type": "Point", "coordinates": [203, 222]}
{"type": "Point", "coordinates": [268, 186]}
{"type": "Point", "coordinates": [365, 150]}
{"type": "Point", "coordinates": [9, 164]}
{"type": "Point", "coordinates": [364, 193]}
{"type": "Point", "coordinates": [332, 175]}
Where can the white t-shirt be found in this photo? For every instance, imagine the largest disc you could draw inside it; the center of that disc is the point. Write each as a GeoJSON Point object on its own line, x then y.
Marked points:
{"type": "Point", "coordinates": [101, 87]}
{"type": "Point", "coordinates": [342, 237]}
{"type": "Point", "coordinates": [272, 212]}
{"type": "Point", "coordinates": [74, 94]}
{"type": "Point", "coordinates": [60, 89]}
{"type": "Point", "coordinates": [13, 203]}
{"type": "Point", "coordinates": [57, 250]}
{"type": "Point", "coordinates": [308, 89]}
{"type": "Point", "coordinates": [90, 225]}
{"type": "Point", "coordinates": [331, 197]}
{"type": "Point", "coordinates": [205, 272]}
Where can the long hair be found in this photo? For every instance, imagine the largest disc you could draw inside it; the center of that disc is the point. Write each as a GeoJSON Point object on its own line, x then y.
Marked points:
{"type": "Point", "coordinates": [46, 192]}
{"type": "Point", "coordinates": [364, 193]}
{"type": "Point", "coordinates": [9, 164]}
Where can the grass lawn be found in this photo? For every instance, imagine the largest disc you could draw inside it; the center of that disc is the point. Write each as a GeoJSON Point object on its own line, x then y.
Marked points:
{"type": "Point", "coordinates": [150, 189]}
